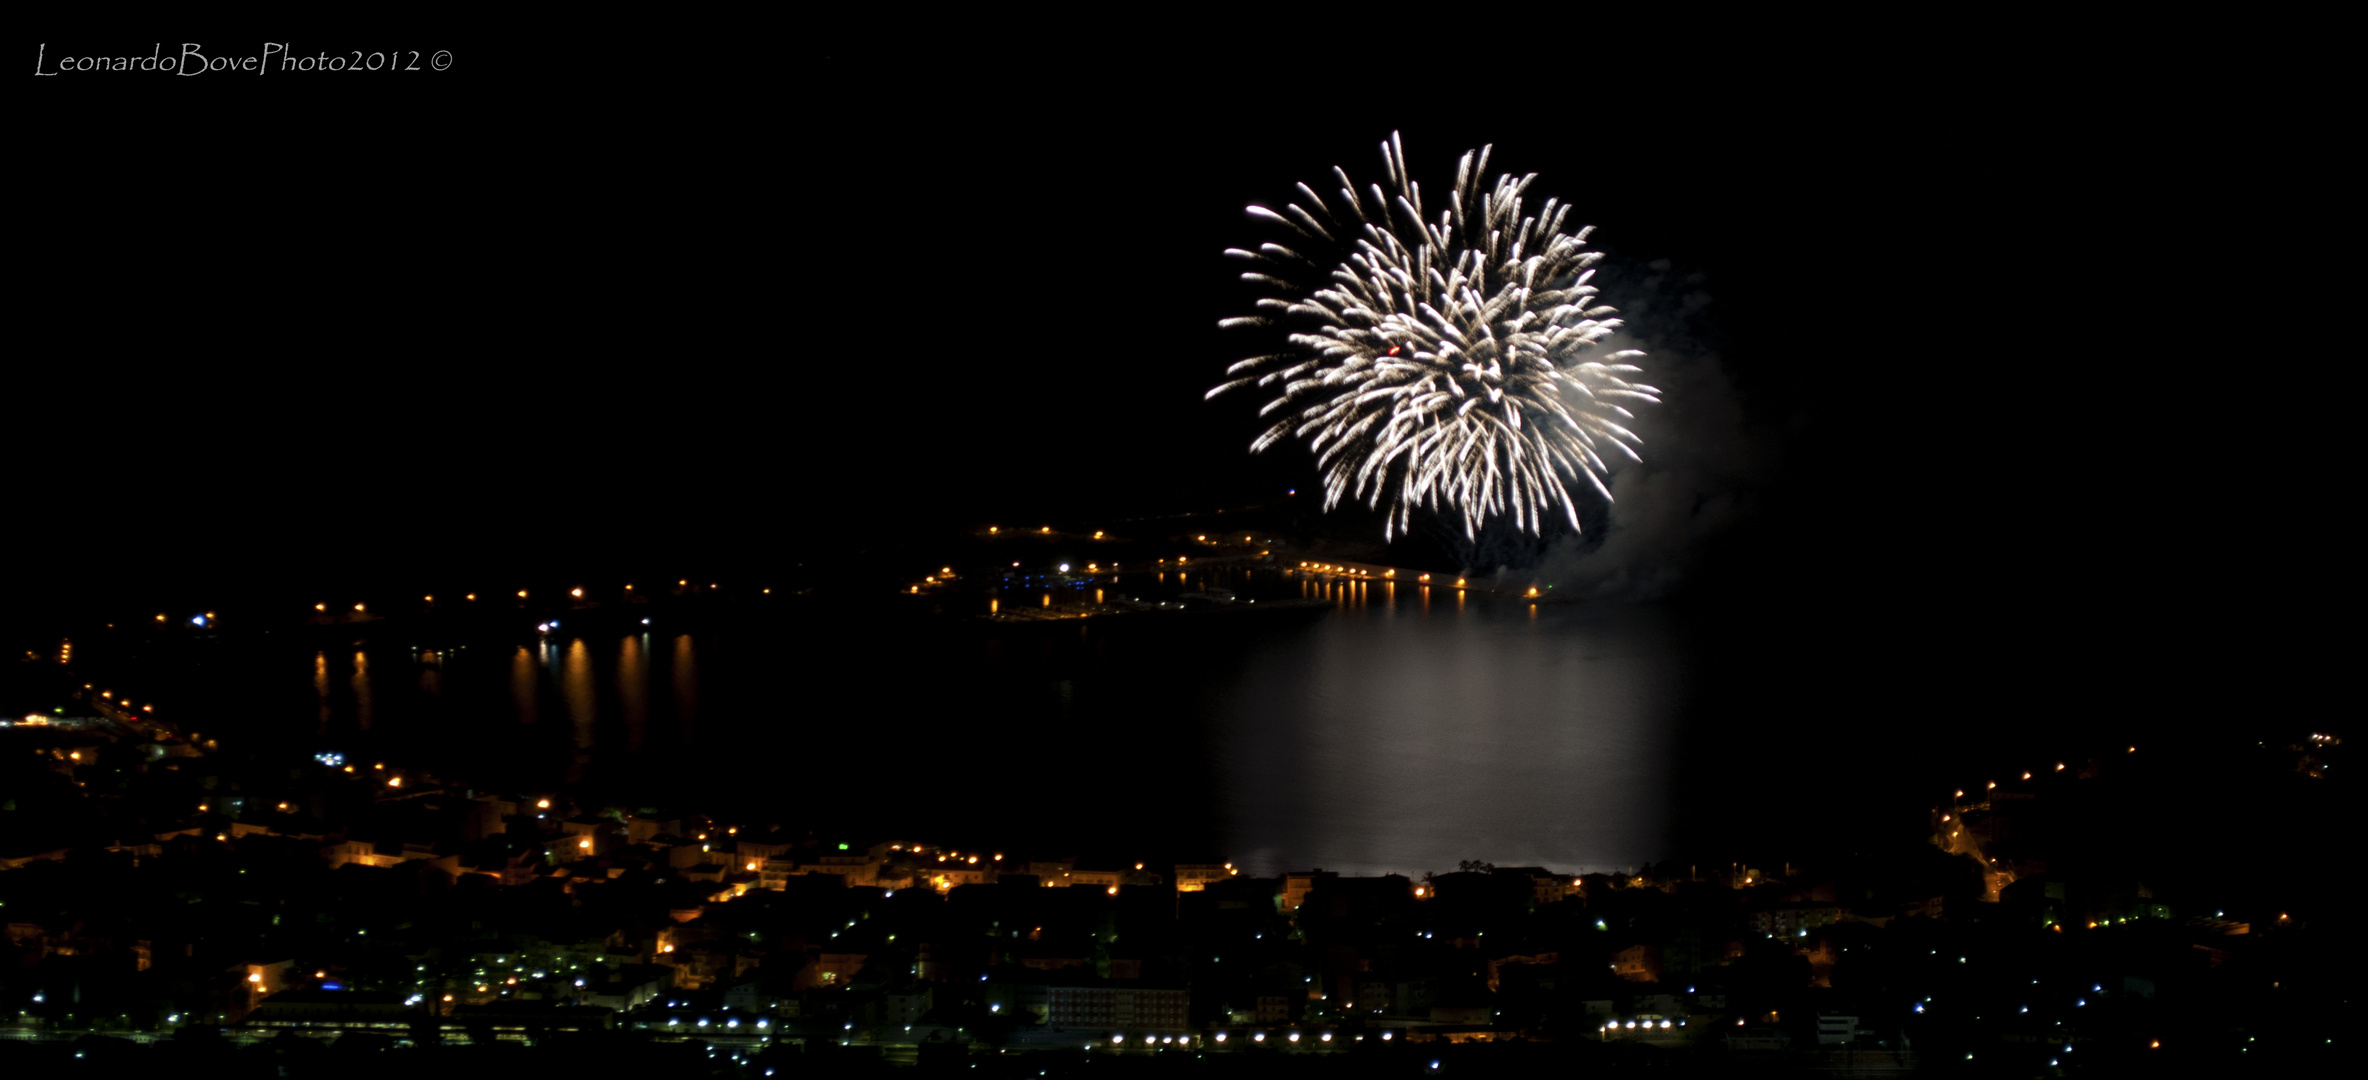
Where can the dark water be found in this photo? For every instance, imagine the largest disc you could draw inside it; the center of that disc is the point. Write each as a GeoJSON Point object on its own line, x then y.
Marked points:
{"type": "Point", "coordinates": [1399, 728]}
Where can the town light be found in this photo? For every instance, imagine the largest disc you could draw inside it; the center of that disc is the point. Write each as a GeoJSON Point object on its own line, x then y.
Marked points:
{"type": "Point", "coordinates": [577, 592]}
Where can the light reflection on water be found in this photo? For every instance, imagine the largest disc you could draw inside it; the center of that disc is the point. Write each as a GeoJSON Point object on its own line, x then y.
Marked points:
{"type": "Point", "coordinates": [1390, 738]}
{"type": "Point", "coordinates": [524, 680]}
{"type": "Point", "coordinates": [575, 688]}
{"type": "Point", "coordinates": [365, 703]}
{"type": "Point", "coordinates": [320, 689]}
{"type": "Point", "coordinates": [633, 694]}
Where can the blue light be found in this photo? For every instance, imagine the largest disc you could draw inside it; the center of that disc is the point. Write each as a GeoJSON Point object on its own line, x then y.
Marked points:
{"type": "Point", "coordinates": [197, 620]}
{"type": "Point", "coordinates": [332, 986]}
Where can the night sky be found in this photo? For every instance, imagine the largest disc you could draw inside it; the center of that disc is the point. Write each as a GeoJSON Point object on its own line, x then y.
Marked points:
{"type": "Point", "coordinates": [2032, 324]}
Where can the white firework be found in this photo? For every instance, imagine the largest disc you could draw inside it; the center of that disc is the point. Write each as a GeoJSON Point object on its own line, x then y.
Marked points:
{"type": "Point", "coordinates": [1440, 364]}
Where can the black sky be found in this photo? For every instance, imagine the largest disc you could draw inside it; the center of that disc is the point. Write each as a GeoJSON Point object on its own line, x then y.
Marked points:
{"type": "Point", "coordinates": [2037, 316]}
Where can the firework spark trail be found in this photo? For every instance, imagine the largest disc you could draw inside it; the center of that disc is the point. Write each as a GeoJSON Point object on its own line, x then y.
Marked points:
{"type": "Point", "coordinates": [1439, 362]}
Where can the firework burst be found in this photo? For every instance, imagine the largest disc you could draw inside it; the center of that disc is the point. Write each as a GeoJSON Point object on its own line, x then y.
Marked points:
{"type": "Point", "coordinates": [1439, 363]}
